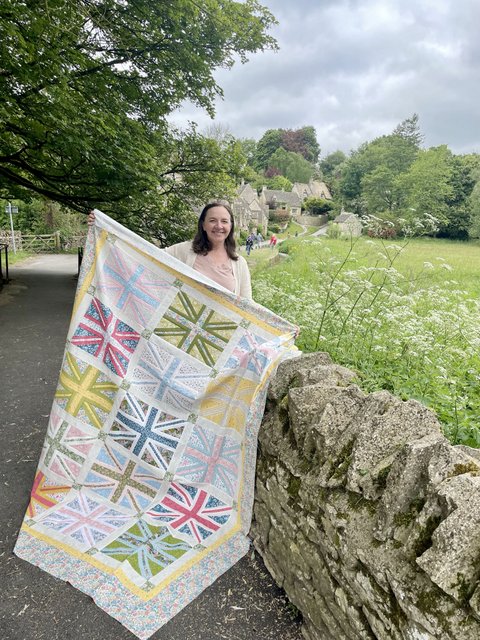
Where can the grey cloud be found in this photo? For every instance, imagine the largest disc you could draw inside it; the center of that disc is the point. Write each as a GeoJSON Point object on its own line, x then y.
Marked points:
{"type": "Point", "coordinates": [354, 69]}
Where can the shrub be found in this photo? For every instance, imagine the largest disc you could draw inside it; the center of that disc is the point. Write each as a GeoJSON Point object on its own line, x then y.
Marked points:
{"type": "Point", "coordinates": [333, 230]}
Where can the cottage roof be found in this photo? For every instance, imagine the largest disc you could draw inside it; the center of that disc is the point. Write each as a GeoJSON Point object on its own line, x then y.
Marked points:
{"type": "Point", "coordinates": [287, 197]}
{"type": "Point", "coordinates": [247, 193]}
{"type": "Point", "coordinates": [346, 217]}
{"type": "Point", "coordinates": [315, 188]}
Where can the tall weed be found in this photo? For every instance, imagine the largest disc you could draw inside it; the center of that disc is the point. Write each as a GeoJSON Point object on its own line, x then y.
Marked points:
{"type": "Point", "coordinates": [414, 334]}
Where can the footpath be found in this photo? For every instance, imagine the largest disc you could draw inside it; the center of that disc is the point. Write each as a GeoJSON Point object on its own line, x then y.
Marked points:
{"type": "Point", "coordinates": [35, 308]}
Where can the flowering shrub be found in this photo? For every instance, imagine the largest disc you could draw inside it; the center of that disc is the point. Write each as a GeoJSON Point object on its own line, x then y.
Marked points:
{"type": "Point", "coordinates": [404, 333]}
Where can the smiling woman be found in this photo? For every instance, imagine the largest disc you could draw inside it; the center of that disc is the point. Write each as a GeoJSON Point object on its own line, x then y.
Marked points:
{"type": "Point", "coordinates": [213, 250]}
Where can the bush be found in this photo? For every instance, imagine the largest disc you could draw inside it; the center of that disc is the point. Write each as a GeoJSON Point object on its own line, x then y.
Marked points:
{"type": "Point", "coordinates": [333, 230]}
{"type": "Point", "coordinates": [274, 228]}
{"type": "Point", "coordinates": [280, 215]}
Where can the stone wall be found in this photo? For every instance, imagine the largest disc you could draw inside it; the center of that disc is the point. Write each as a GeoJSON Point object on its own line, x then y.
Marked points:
{"type": "Point", "coordinates": [364, 513]}
{"type": "Point", "coordinates": [315, 221]}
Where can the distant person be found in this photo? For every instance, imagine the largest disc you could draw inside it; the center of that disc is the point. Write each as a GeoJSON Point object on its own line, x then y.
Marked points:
{"type": "Point", "coordinates": [258, 240]}
{"type": "Point", "coordinates": [273, 241]}
{"type": "Point", "coordinates": [249, 243]}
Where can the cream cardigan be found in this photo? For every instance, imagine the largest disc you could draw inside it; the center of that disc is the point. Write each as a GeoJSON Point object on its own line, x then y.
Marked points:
{"type": "Point", "coordinates": [183, 251]}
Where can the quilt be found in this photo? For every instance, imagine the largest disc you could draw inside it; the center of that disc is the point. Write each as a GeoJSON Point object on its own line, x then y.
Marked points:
{"type": "Point", "coordinates": [144, 490]}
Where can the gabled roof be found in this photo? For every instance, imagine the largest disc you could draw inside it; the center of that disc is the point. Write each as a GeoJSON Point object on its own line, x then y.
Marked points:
{"type": "Point", "coordinates": [287, 197]}
{"type": "Point", "coordinates": [247, 193]}
{"type": "Point", "coordinates": [315, 188]}
{"type": "Point", "coordinates": [346, 217]}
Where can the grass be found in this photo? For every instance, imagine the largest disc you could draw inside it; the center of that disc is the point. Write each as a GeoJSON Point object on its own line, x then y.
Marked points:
{"type": "Point", "coordinates": [259, 259]}
{"type": "Point", "coordinates": [405, 316]}
{"type": "Point", "coordinates": [292, 228]}
{"type": "Point", "coordinates": [424, 259]}
{"type": "Point", "coordinates": [13, 258]}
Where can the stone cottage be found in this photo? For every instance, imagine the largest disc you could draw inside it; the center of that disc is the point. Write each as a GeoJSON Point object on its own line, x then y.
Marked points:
{"type": "Point", "coordinates": [314, 188]}
{"type": "Point", "coordinates": [249, 212]}
{"type": "Point", "coordinates": [349, 224]}
{"type": "Point", "coordinates": [285, 200]}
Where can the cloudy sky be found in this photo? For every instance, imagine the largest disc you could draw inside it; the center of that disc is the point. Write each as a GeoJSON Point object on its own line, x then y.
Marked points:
{"type": "Point", "coordinates": [354, 69]}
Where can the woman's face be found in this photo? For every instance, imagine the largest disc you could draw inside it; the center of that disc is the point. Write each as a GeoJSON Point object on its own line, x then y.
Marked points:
{"type": "Point", "coordinates": [217, 224]}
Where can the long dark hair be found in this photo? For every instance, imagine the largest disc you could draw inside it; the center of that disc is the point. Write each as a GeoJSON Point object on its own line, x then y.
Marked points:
{"type": "Point", "coordinates": [201, 244]}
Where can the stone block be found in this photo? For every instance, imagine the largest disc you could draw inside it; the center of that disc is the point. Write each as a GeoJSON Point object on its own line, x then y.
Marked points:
{"type": "Point", "coordinates": [386, 425]}
{"type": "Point", "coordinates": [452, 561]}
{"type": "Point", "coordinates": [406, 488]}
{"type": "Point", "coordinates": [288, 370]}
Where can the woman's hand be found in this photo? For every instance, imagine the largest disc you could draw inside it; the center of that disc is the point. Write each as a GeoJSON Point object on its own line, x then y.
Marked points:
{"type": "Point", "coordinates": [91, 218]}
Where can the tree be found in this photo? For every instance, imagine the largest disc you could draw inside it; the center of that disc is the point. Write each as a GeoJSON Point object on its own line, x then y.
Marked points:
{"type": "Point", "coordinates": [249, 146]}
{"type": "Point", "coordinates": [427, 184]}
{"type": "Point", "coordinates": [86, 88]}
{"type": "Point", "coordinates": [379, 190]}
{"type": "Point", "coordinates": [219, 132]}
{"type": "Point", "coordinates": [350, 185]}
{"type": "Point", "coordinates": [465, 172]}
{"type": "Point", "coordinates": [266, 147]}
{"type": "Point", "coordinates": [474, 207]}
{"type": "Point", "coordinates": [302, 141]}
{"type": "Point", "coordinates": [372, 171]}
{"type": "Point", "coordinates": [291, 165]}
{"type": "Point", "coordinates": [317, 206]}
{"type": "Point", "coordinates": [330, 164]}
{"type": "Point", "coordinates": [279, 183]}
{"type": "Point", "coordinates": [409, 130]}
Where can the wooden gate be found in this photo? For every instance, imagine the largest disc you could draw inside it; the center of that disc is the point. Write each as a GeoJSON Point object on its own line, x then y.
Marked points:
{"type": "Point", "coordinates": [41, 243]}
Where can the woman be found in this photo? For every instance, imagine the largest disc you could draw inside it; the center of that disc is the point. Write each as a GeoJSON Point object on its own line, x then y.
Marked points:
{"type": "Point", "coordinates": [212, 252]}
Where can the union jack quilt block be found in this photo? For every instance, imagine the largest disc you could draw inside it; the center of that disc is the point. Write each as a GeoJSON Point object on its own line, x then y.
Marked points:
{"type": "Point", "coordinates": [144, 489]}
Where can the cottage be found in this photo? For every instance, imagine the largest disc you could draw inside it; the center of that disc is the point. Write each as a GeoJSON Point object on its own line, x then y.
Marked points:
{"type": "Point", "coordinates": [284, 200]}
{"type": "Point", "coordinates": [314, 188]}
{"type": "Point", "coordinates": [248, 211]}
{"type": "Point", "coordinates": [349, 224]}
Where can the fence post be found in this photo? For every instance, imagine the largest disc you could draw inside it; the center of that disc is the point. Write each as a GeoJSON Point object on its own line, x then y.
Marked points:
{"type": "Point", "coordinates": [58, 244]}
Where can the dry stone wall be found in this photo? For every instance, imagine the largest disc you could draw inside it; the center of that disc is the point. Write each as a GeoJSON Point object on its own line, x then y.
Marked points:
{"type": "Point", "coordinates": [364, 513]}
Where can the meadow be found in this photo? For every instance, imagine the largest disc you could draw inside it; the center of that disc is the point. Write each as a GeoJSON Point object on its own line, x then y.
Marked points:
{"type": "Point", "coordinates": [404, 315]}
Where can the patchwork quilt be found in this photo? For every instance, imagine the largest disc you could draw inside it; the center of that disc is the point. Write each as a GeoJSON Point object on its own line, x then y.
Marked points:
{"type": "Point", "coordinates": [144, 489]}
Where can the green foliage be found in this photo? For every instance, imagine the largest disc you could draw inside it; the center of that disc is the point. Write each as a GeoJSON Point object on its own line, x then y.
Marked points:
{"type": "Point", "coordinates": [249, 147]}
{"type": "Point", "coordinates": [394, 313]}
{"type": "Point", "coordinates": [279, 183]}
{"type": "Point", "coordinates": [410, 131]}
{"type": "Point", "coordinates": [317, 206]}
{"type": "Point", "coordinates": [291, 165]}
{"type": "Point", "coordinates": [331, 164]}
{"type": "Point", "coordinates": [300, 141]}
{"type": "Point", "coordinates": [474, 207]}
{"type": "Point", "coordinates": [40, 216]}
{"type": "Point", "coordinates": [380, 190]}
{"type": "Point", "coordinates": [333, 230]}
{"type": "Point", "coordinates": [465, 173]}
{"type": "Point", "coordinates": [87, 86]}
{"type": "Point", "coordinates": [266, 147]}
{"type": "Point", "coordinates": [426, 186]}
{"type": "Point", "coordinates": [274, 227]}
{"type": "Point", "coordinates": [280, 216]}
{"type": "Point", "coordinates": [392, 177]}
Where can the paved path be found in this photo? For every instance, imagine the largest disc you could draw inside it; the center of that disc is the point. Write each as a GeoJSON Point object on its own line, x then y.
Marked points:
{"type": "Point", "coordinates": [321, 231]}
{"type": "Point", "coordinates": [35, 308]}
